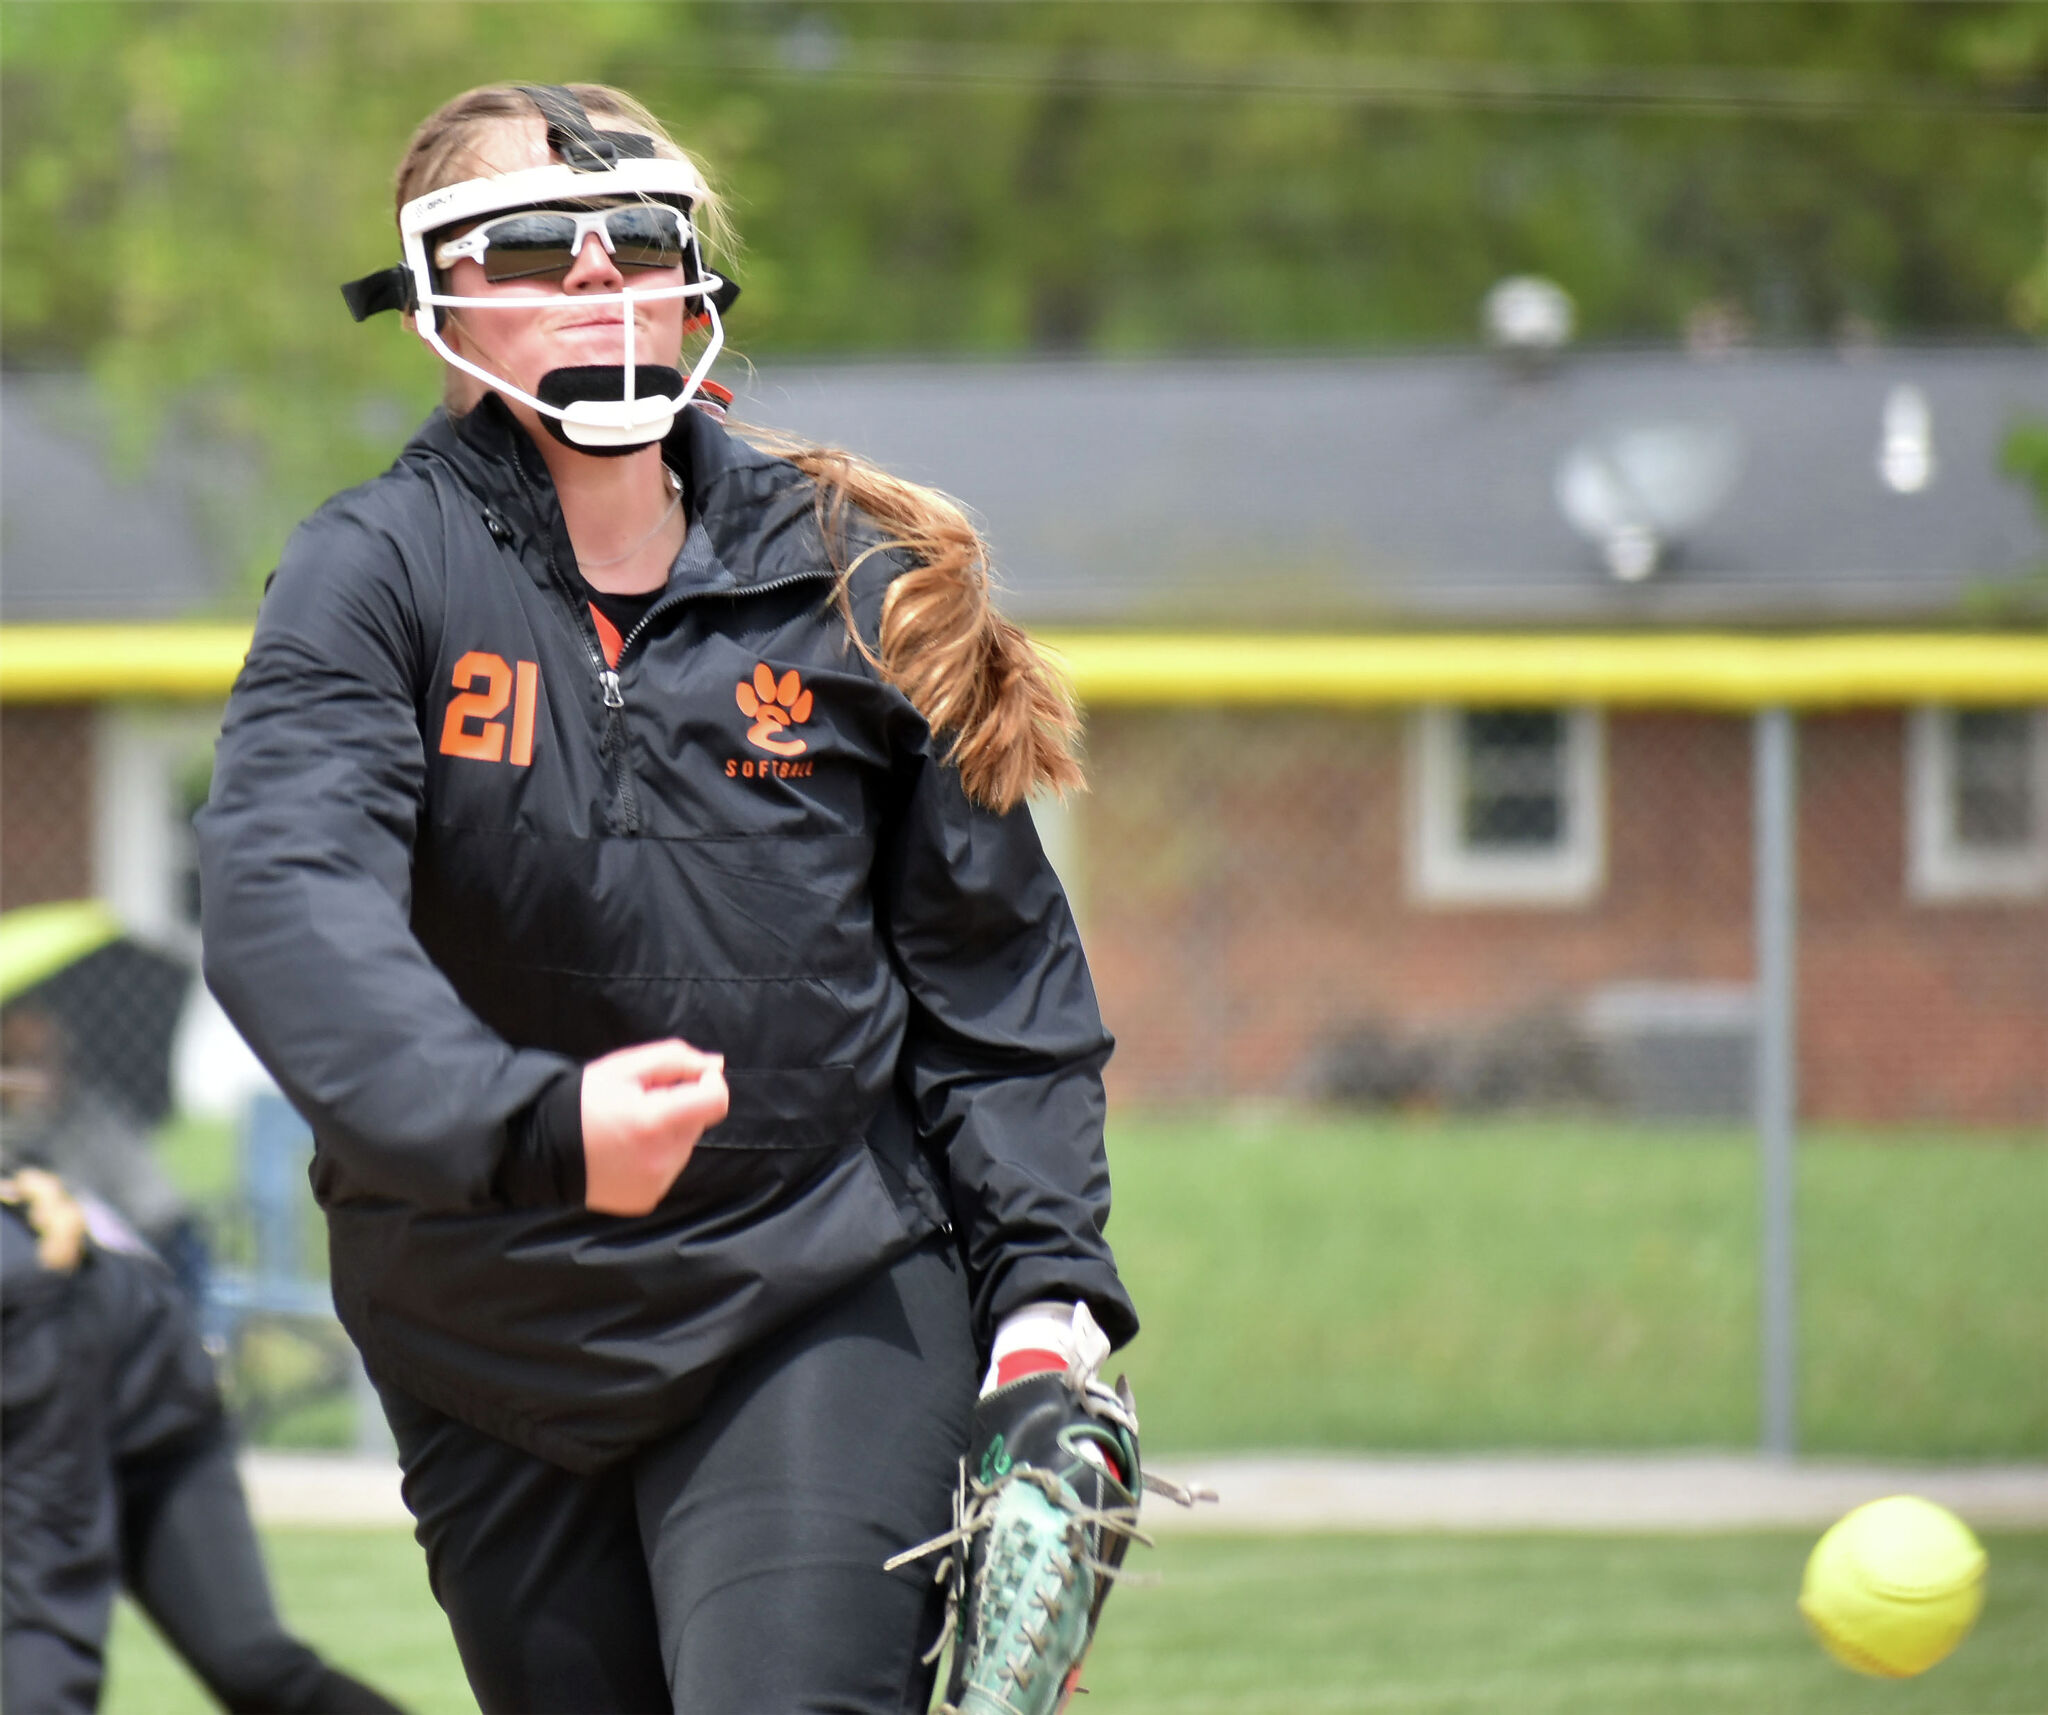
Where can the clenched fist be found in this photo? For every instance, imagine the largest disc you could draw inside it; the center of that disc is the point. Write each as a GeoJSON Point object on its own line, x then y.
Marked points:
{"type": "Point", "coordinates": [643, 1110]}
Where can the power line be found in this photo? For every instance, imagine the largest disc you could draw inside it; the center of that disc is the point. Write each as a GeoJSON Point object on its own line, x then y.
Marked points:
{"type": "Point", "coordinates": [814, 52]}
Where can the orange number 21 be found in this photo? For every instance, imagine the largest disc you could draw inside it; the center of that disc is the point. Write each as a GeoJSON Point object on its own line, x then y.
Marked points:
{"type": "Point", "coordinates": [485, 684]}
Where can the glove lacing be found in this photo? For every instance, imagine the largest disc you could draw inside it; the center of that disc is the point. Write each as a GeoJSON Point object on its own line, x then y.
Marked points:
{"type": "Point", "coordinates": [974, 1512]}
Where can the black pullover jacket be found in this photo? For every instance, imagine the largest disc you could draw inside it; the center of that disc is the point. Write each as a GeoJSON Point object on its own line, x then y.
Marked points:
{"type": "Point", "coordinates": [451, 854]}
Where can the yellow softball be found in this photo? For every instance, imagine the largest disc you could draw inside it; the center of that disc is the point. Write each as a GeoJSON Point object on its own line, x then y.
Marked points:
{"type": "Point", "coordinates": [1894, 1586]}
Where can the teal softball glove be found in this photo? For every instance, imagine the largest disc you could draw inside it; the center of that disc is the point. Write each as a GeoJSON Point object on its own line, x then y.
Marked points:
{"type": "Point", "coordinates": [1046, 1508]}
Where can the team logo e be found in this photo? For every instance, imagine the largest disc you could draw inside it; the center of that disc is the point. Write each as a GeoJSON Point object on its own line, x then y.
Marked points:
{"type": "Point", "coordinates": [774, 706]}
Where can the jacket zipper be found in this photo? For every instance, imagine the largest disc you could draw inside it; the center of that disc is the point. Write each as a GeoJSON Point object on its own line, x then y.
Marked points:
{"type": "Point", "coordinates": [614, 692]}
{"type": "Point", "coordinates": [613, 743]}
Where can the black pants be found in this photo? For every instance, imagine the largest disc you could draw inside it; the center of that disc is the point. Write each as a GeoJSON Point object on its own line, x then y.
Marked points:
{"type": "Point", "coordinates": [116, 1465]}
{"type": "Point", "coordinates": [734, 1568]}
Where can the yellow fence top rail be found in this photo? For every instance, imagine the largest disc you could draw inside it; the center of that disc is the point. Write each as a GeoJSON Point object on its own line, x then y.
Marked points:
{"type": "Point", "coordinates": [1690, 670]}
{"type": "Point", "coordinates": [87, 663]}
{"type": "Point", "coordinates": [93, 663]}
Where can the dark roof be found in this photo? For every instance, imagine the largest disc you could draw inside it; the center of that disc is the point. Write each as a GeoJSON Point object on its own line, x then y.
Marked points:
{"type": "Point", "coordinates": [81, 539]}
{"type": "Point", "coordinates": [1281, 492]}
{"type": "Point", "coordinates": [1421, 490]}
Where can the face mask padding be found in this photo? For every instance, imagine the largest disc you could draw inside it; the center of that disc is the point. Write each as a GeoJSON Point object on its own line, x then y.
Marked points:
{"type": "Point", "coordinates": [605, 383]}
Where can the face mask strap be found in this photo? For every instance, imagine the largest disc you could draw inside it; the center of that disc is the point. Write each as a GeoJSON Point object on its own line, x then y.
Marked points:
{"type": "Point", "coordinates": [387, 289]}
{"type": "Point", "coordinates": [572, 136]}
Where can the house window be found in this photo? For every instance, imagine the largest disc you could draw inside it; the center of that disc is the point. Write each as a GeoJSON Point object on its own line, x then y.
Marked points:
{"type": "Point", "coordinates": [1977, 804]}
{"type": "Point", "coordinates": [1506, 806]}
{"type": "Point", "coordinates": [152, 765]}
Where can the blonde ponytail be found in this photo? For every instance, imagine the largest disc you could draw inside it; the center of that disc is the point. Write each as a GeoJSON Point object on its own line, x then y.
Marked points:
{"type": "Point", "coordinates": [974, 676]}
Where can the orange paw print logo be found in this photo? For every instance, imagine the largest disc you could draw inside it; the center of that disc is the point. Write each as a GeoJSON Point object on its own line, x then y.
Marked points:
{"type": "Point", "coordinates": [774, 706]}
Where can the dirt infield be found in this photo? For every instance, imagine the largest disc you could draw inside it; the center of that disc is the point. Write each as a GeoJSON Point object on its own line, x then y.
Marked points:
{"type": "Point", "coordinates": [1334, 1492]}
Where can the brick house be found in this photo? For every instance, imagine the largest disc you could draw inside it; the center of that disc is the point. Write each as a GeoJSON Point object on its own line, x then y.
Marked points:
{"type": "Point", "coordinates": [96, 790]}
{"type": "Point", "coordinates": [1455, 900]}
{"type": "Point", "coordinates": [1262, 886]}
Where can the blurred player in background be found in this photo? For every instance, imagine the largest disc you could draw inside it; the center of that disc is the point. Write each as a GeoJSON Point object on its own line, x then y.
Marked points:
{"type": "Point", "coordinates": [87, 1017]}
{"type": "Point", "coordinates": [617, 850]}
{"type": "Point", "coordinates": [117, 1470]}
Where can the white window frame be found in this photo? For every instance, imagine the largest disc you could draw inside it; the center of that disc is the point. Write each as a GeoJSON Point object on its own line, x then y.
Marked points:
{"type": "Point", "coordinates": [1444, 870]}
{"type": "Point", "coordinates": [1940, 869]}
{"type": "Point", "coordinates": [138, 840]}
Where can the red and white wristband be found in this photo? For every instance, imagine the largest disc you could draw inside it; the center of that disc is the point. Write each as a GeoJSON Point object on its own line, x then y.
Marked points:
{"type": "Point", "coordinates": [1045, 1336]}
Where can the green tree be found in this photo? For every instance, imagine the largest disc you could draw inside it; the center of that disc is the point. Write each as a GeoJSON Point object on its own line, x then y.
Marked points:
{"type": "Point", "coordinates": [183, 185]}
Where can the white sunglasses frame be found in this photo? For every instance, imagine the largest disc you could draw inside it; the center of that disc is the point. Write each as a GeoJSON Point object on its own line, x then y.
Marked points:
{"type": "Point", "coordinates": [476, 241]}
{"type": "Point", "coordinates": [625, 421]}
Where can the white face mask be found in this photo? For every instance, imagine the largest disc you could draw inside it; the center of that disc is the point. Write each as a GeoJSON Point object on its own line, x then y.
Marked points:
{"type": "Point", "coordinates": [598, 409]}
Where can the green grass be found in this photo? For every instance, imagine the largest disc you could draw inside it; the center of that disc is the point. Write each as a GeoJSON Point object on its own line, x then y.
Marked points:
{"type": "Point", "coordinates": [360, 1597]}
{"type": "Point", "coordinates": [1314, 1280]}
{"type": "Point", "coordinates": [199, 1154]}
{"type": "Point", "coordinates": [1317, 1281]}
{"type": "Point", "coordinates": [1322, 1282]}
{"type": "Point", "coordinates": [1444, 1625]}
{"type": "Point", "coordinates": [1533, 1625]}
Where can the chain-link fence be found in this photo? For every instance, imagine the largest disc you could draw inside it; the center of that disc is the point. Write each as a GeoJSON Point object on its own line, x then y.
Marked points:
{"type": "Point", "coordinates": [1458, 1030]}
{"type": "Point", "coordinates": [1510, 910]}
{"type": "Point", "coordinates": [118, 1073]}
{"type": "Point", "coordinates": [46, 803]}
{"type": "Point", "coordinates": [1405, 914]}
